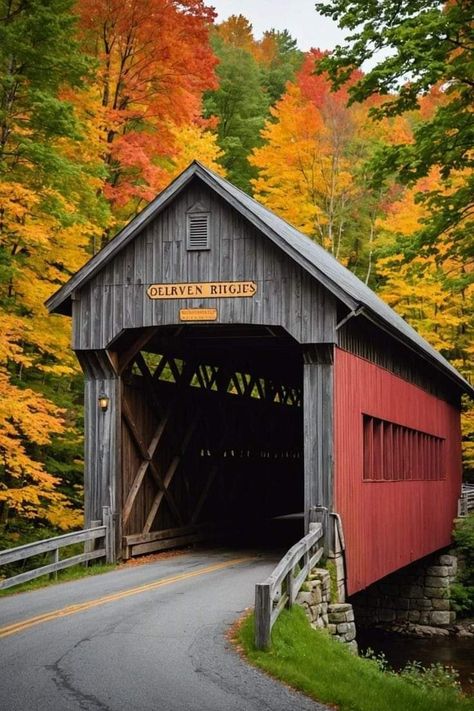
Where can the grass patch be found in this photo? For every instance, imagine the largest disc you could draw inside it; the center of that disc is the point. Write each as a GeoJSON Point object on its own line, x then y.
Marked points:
{"type": "Point", "coordinates": [75, 572]}
{"type": "Point", "coordinates": [324, 669]}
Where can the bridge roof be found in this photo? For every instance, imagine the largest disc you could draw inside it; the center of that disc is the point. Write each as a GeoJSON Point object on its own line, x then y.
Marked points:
{"type": "Point", "coordinates": [307, 253]}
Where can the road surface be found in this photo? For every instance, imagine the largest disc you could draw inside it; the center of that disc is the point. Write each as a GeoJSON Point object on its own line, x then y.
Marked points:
{"type": "Point", "coordinates": [145, 638]}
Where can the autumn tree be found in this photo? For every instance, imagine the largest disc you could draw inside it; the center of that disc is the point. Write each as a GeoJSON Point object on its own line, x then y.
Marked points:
{"type": "Point", "coordinates": [432, 289]}
{"type": "Point", "coordinates": [154, 61]}
{"type": "Point", "coordinates": [240, 107]}
{"type": "Point", "coordinates": [197, 141]}
{"type": "Point", "coordinates": [417, 46]}
{"type": "Point", "coordinates": [49, 206]}
{"type": "Point", "coordinates": [310, 167]}
{"type": "Point", "coordinates": [252, 75]}
{"type": "Point", "coordinates": [280, 60]}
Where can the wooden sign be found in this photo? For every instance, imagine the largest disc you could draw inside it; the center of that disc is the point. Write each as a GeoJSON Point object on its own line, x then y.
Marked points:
{"type": "Point", "coordinates": [205, 290]}
{"type": "Point", "coordinates": [198, 314]}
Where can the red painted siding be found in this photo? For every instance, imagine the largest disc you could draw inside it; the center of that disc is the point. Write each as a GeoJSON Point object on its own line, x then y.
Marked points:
{"type": "Point", "coordinates": [388, 524]}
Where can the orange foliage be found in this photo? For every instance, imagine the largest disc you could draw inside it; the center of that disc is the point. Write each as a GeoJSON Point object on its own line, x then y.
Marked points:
{"type": "Point", "coordinates": [154, 62]}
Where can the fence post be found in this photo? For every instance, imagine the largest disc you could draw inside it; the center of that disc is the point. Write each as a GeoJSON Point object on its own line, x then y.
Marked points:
{"type": "Point", "coordinates": [263, 613]}
{"type": "Point", "coordinates": [55, 556]}
{"type": "Point", "coordinates": [290, 587]}
{"type": "Point", "coordinates": [108, 522]}
{"type": "Point", "coordinates": [90, 545]}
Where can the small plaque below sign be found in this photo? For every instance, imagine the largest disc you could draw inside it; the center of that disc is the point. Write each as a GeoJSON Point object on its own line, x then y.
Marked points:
{"type": "Point", "coordinates": [198, 314]}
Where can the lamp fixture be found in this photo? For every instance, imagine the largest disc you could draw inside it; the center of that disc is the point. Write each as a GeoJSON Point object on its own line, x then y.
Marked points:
{"type": "Point", "coordinates": [103, 402]}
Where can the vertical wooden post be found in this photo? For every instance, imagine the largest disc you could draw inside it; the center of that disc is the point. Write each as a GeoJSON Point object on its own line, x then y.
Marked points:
{"type": "Point", "coordinates": [89, 545]}
{"type": "Point", "coordinates": [110, 542]}
{"type": "Point", "coordinates": [290, 588]}
{"type": "Point", "coordinates": [263, 612]}
{"type": "Point", "coordinates": [55, 558]}
{"type": "Point", "coordinates": [102, 430]}
{"type": "Point", "coordinates": [318, 429]}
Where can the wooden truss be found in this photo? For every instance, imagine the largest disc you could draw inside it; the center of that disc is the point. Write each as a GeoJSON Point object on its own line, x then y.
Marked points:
{"type": "Point", "coordinates": [180, 378]}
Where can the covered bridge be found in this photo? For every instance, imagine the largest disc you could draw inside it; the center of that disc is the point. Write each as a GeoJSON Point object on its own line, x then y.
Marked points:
{"type": "Point", "coordinates": [236, 373]}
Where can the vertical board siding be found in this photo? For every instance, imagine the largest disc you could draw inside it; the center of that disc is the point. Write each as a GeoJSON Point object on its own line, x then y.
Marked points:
{"type": "Point", "coordinates": [102, 448]}
{"type": "Point", "coordinates": [388, 524]}
{"type": "Point", "coordinates": [318, 435]}
{"type": "Point", "coordinates": [115, 299]}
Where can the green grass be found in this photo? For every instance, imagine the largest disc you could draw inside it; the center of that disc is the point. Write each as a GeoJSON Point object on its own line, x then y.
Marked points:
{"type": "Point", "coordinates": [324, 669]}
{"type": "Point", "coordinates": [75, 572]}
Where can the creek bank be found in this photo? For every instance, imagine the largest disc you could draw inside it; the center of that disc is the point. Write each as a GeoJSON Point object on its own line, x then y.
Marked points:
{"type": "Point", "coordinates": [399, 650]}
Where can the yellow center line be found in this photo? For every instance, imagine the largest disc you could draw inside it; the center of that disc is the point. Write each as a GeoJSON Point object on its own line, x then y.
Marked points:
{"type": "Point", "coordinates": [83, 606]}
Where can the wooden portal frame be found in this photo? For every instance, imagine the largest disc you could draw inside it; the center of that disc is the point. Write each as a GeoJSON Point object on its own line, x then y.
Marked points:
{"type": "Point", "coordinates": [110, 373]}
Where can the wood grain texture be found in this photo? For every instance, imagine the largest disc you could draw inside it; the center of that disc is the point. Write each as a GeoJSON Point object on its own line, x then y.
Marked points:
{"type": "Point", "coordinates": [116, 299]}
{"type": "Point", "coordinates": [318, 429]}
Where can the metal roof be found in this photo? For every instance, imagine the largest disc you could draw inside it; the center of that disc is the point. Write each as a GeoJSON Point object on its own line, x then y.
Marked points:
{"type": "Point", "coordinates": [310, 255]}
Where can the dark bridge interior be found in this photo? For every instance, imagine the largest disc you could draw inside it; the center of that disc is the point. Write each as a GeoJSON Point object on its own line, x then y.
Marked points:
{"type": "Point", "coordinates": [212, 436]}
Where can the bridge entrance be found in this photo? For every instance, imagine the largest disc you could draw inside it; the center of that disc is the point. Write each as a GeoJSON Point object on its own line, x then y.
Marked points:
{"type": "Point", "coordinates": [212, 436]}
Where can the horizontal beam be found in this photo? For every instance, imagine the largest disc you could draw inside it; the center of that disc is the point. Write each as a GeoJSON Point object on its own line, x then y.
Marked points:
{"type": "Point", "coordinates": [50, 544]}
{"type": "Point", "coordinates": [52, 568]}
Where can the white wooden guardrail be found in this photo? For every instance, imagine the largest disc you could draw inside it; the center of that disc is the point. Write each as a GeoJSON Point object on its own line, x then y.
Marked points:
{"type": "Point", "coordinates": [466, 502]}
{"type": "Point", "coordinates": [53, 545]}
{"type": "Point", "coordinates": [283, 585]}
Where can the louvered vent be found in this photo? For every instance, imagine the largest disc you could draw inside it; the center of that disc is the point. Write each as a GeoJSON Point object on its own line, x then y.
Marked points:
{"type": "Point", "coordinates": [198, 230]}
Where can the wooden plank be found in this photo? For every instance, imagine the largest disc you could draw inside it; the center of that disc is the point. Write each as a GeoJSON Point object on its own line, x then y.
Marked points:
{"type": "Point", "coordinates": [166, 481]}
{"type": "Point", "coordinates": [161, 494]}
{"type": "Point", "coordinates": [50, 544]}
{"type": "Point", "coordinates": [128, 356]}
{"type": "Point", "coordinates": [141, 548]}
{"type": "Point", "coordinates": [262, 616]}
{"type": "Point", "coordinates": [135, 538]}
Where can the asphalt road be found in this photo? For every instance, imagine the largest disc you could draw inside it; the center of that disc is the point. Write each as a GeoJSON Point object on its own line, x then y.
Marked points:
{"type": "Point", "coordinates": [147, 638]}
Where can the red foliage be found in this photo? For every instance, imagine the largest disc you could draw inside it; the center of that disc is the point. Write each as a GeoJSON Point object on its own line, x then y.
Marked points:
{"type": "Point", "coordinates": [154, 63]}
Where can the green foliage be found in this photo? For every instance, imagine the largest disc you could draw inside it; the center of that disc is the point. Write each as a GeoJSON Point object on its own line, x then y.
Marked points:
{"type": "Point", "coordinates": [248, 87]}
{"type": "Point", "coordinates": [331, 568]}
{"type": "Point", "coordinates": [435, 676]}
{"type": "Point", "coordinates": [38, 55]}
{"type": "Point", "coordinates": [418, 46]}
{"type": "Point", "coordinates": [323, 668]}
{"type": "Point", "coordinates": [283, 65]}
{"type": "Point", "coordinates": [463, 589]}
{"type": "Point", "coordinates": [240, 106]}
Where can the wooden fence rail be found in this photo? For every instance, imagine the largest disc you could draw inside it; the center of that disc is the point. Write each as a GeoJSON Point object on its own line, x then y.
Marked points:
{"type": "Point", "coordinates": [283, 585]}
{"type": "Point", "coordinates": [466, 502]}
{"type": "Point", "coordinates": [53, 545]}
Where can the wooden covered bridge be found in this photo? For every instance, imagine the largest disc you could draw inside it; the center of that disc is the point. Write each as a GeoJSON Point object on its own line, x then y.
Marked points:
{"type": "Point", "coordinates": [236, 373]}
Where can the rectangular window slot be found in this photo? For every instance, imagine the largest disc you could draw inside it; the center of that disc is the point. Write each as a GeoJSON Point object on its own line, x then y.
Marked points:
{"type": "Point", "coordinates": [396, 453]}
{"type": "Point", "coordinates": [198, 230]}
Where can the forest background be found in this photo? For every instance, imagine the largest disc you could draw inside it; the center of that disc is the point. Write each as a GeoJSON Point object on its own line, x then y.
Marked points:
{"type": "Point", "coordinates": [103, 102]}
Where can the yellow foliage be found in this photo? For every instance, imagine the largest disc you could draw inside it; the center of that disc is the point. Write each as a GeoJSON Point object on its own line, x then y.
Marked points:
{"type": "Point", "coordinates": [194, 142]}
{"type": "Point", "coordinates": [434, 292]}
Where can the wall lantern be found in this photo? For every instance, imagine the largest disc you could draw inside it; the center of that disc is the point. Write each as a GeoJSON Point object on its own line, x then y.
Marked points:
{"type": "Point", "coordinates": [103, 402]}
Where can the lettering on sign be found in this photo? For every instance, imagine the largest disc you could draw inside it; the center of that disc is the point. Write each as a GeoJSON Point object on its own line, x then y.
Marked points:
{"type": "Point", "coordinates": [205, 290]}
{"type": "Point", "coordinates": [198, 314]}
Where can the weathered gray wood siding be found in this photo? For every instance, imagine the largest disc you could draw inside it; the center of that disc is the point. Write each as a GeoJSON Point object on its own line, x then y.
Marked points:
{"type": "Point", "coordinates": [116, 298]}
{"type": "Point", "coordinates": [318, 389]}
{"type": "Point", "coordinates": [102, 440]}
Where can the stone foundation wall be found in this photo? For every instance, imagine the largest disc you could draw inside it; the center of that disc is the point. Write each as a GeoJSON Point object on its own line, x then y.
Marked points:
{"type": "Point", "coordinates": [419, 595]}
{"type": "Point", "coordinates": [337, 618]}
